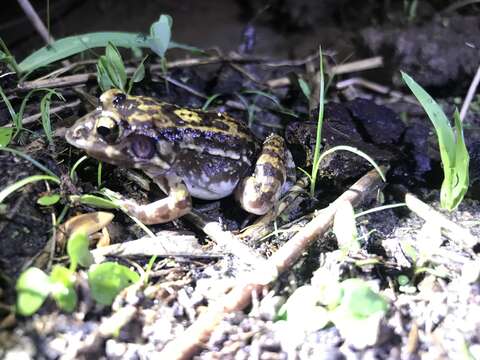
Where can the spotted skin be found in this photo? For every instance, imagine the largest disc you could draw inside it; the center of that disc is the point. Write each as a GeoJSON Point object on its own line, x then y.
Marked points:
{"type": "Point", "coordinates": [187, 152]}
{"type": "Point", "coordinates": [175, 205]}
{"type": "Point", "coordinates": [259, 192]}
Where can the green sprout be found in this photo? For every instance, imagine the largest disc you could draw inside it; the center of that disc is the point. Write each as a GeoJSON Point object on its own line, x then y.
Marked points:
{"type": "Point", "coordinates": [453, 151]}
{"type": "Point", "coordinates": [111, 72]}
{"type": "Point", "coordinates": [45, 111]}
{"type": "Point", "coordinates": [7, 134]}
{"type": "Point", "coordinates": [7, 57]}
{"type": "Point", "coordinates": [351, 305]}
{"type": "Point", "coordinates": [317, 156]}
{"type": "Point", "coordinates": [106, 280]}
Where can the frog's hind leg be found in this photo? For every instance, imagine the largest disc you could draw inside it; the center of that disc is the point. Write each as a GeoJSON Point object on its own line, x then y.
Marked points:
{"type": "Point", "coordinates": [176, 204]}
{"type": "Point", "coordinates": [259, 192]}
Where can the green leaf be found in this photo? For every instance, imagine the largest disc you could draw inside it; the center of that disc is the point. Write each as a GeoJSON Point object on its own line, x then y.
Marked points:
{"type": "Point", "coordinates": [160, 35]}
{"type": "Point", "coordinates": [31, 160]}
{"type": "Point", "coordinates": [102, 74]}
{"type": "Point", "coordinates": [438, 118]}
{"type": "Point", "coordinates": [359, 314]}
{"type": "Point", "coordinates": [138, 75]}
{"type": "Point", "coordinates": [95, 201]}
{"type": "Point", "coordinates": [72, 45]}
{"type": "Point", "coordinates": [403, 280]}
{"type": "Point", "coordinates": [318, 137]}
{"type": "Point", "coordinates": [33, 287]}
{"type": "Point", "coordinates": [115, 67]}
{"type": "Point", "coordinates": [210, 99]}
{"type": "Point", "coordinates": [305, 88]}
{"type": "Point", "coordinates": [360, 300]}
{"type": "Point", "coordinates": [106, 280]}
{"type": "Point", "coordinates": [63, 291]}
{"type": "Point", "coordinates": [48, 200]}
{"type": "Point", "coordinates": [77, 250]}
{"type": "Point", "coordinates": [15, 186]}
{"type": "Point", "coordinates": [5, 136]}
{"type": "Point", "coordinates": [460, 172]}
{"type": "Point", "coordinates": [453, 152]}
{"type": "Point", "coordinates": [10, 108]}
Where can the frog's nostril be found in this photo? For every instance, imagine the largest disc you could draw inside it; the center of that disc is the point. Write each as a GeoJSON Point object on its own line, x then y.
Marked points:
{"type": "Point", "coordinates": [75, 133]}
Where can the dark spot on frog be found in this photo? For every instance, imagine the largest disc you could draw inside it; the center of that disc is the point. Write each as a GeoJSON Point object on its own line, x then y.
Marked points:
{"type": "Point", "coordinates": [264, 198]}
{"type": "Point", "coordinates": [219, 124]}
{"type": "Point", "coordinates": [270, 170]}
{"type": "Point", "coordinates": [119, 99]}
{"type": "Point", "coordinates": [271, 153]}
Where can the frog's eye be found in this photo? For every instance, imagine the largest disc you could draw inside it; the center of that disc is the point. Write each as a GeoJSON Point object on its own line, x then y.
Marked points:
{"type": "Point", "coordinates": [143, 147]}
{"type": "Point", "coordinates": [108, 129]}
{"type": "Point", "coordinates": [119, 99]}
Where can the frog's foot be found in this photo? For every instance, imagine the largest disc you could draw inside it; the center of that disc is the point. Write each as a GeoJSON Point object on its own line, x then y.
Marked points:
{"type": "Point", "coordinates": [175, 205]}
{"type": "Point", "coordinates": [259, 192]}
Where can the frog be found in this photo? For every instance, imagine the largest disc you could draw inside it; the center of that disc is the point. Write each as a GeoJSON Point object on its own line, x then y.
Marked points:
{"type": "Point", "coordinates": [187, 152]}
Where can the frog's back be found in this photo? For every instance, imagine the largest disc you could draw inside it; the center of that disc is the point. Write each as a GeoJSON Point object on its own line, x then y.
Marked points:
{"type": "Point", "coordinates": [209, 132]}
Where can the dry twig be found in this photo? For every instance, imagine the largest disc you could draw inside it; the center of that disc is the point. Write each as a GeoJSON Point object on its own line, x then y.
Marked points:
{"type": "Point", "coordinates": [381, 89]}
{"type": "Point", "coordinates": [471, 92]}
{"type": "Point", "coordinates": [454, 231]}
{"type": "Point", "coordinates": [165, 244]}
{"type": "Point", "coordinates": [35, 19]}
{"type": "Point", "coordinates": [191, 340]}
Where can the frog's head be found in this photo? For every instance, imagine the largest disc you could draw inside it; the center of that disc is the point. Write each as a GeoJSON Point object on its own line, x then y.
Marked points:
{"type": "Point", "coordinates": [110, 135]}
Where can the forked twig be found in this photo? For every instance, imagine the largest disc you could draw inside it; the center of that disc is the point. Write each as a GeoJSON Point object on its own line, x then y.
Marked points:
{"type": "Point", "coordinates": [191, 340]}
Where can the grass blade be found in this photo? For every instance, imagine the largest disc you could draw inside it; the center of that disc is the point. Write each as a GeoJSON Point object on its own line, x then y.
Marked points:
{"type": "Point", "coordinates": [72, 45]}
{"type": "Point", "coordinates": [15, 186]}
{"type": "Point", "coordinates": [438, 118]}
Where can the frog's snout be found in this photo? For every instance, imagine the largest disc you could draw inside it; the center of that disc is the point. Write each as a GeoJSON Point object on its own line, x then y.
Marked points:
{"type": "Point", "coordinates": [75, 134]}
{"type": "Point", "coordinates": [80, 132]}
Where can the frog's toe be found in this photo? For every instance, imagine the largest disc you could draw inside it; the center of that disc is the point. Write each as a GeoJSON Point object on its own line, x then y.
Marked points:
{"type": "Point", "coordinates": [257, 198]}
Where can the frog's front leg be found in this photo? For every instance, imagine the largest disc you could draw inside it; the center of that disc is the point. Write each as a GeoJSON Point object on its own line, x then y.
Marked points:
{"type": "Point", "coordinates": [176, 204]}
{"type": "Point", "coordinates": [259, 192]}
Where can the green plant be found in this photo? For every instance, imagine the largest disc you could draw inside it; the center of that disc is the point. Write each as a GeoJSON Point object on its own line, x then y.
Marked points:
{"type": "Point", "coordinates": [19, 184]}
{"type": "Point", "coordinates": [17, 117]}
{"type": "Point", "coordinates": [7, 57]}
{"type": "Point", "coordinates": [317, 156]}
{"type": "Point", "coordinates": [351, 305]}
{"type": "Point", "coordinates": [410, 9]}
{"type": "Point", "coordinates": [106, 280]}
{"type": "Point", "coordinates": [318, 137]}
{"type": "Point", "coordinates": [48, 200]}
{"type": "Point", "coordinates": [73, 45]}
{"type": "Point", "coordinates": [453, 151]}
{"type": "Point", "coordinates": [111, 72]}
{"type": "Point", "coordinates": [252, 108]}
{"type": "Point", "coordinates": [45, 111]}
{"type": "Point", "coordinates": [161, 35]}
{"type": "Point", "coordinates": [5, 136]}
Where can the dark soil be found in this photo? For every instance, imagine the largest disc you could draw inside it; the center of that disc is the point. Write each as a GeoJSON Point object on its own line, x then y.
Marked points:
{"type": "Point", "coordinates": [434, 315]}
